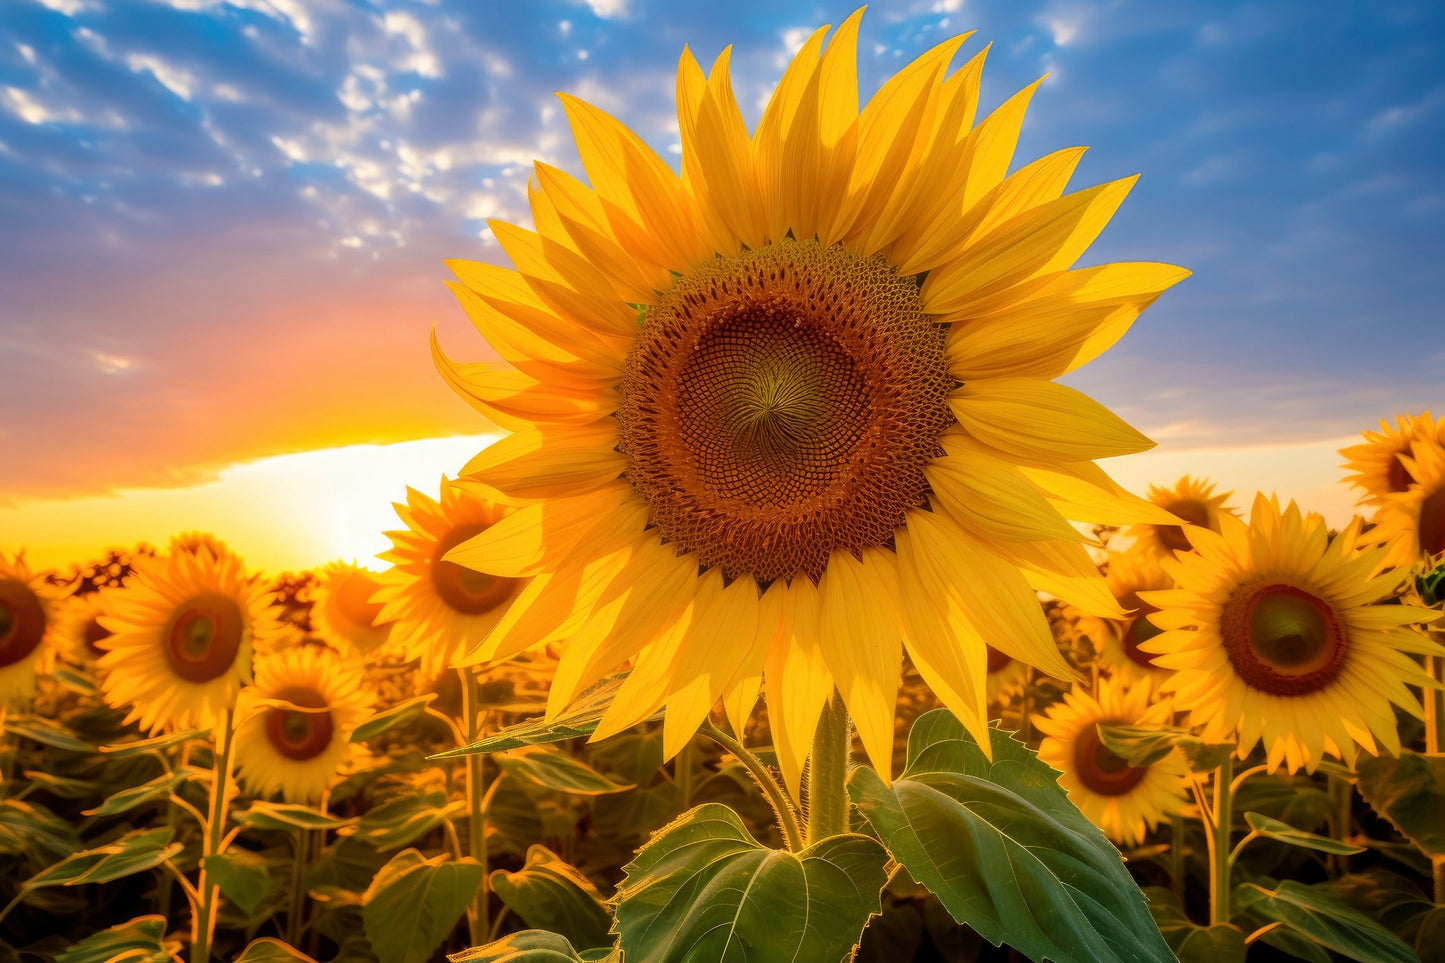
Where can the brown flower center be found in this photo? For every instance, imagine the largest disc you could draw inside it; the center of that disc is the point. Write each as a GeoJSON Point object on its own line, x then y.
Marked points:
{"type": "Point", "coordinates": [1432, 524]}
{"type": "Point", "coordinates": [780, 405]}
{"type": "Point", "coordinates": [997, 661]}
{"type": "Point", "coordinates": [1397, 476]}
{"type": "Point", "coordinates": [1281, 639]}
{"type": "Point", "coordinates": [300, 735]}
{"type": "Point", "coordinates": [22, 621]}
{"type": "Point", "coordinates": [1138, 629]}
{"type": "Point", "coordinates": [93, 634]}
{"type": "Point", "coordinates": [203, 637]}
{"type": "Point", "coordinates": [1099, 768]}
{"type": "Point", "coordinates": [463, 589]}
{"type": "Point", "coordinates": [1192, 511]}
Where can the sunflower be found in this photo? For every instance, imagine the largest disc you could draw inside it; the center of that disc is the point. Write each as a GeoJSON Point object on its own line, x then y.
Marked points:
{"type": "Point", "coordinates": [1192, 501]}
{"type": "Point", "coordinates": [182, 634]}
{"type": "Point", "coordinates": [296, 748]}
{"type": "Point", "coordinates": [1124, 801]}
{"type": "Point", "coordinates": [1378, 464]}
{"type": "Point", "coordinates": [342, 612]}
{"type": "Point", "coordinates": [1274, 634]}
{"type": "Point", "coordinates": [1003, 676]}
{"type": "Point", "coordinates": [1411, 523]}
{"type": "Point", "coordinates": [439, 608]}
{"type": "Point", "coordinates": [79, 632]}
{"type": "Point", "coordinates": [781, 414]}
{"type": "Point", "coordinates": [1117, 640]}
{"type": "Point", "coordinates": [28, 617]}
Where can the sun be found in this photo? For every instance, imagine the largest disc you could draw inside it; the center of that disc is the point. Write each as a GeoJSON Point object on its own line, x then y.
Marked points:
{"type": "Point", "coordinates": [1276, 633]}
{"type": "Point", "coordinates": [782, 414]}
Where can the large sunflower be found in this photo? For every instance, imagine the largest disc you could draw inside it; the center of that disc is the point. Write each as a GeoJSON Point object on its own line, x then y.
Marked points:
{"type": "Point", "coordinates": [28, 621]}
{"type": "Point", "coordinates": [439, 608]}
{"type": "Point", "coordinates": [1411, 523]}
{"type": "Point", "coordinates": [297, 720]}
{"type": "Point", "coordinates": [1192, 501]}
{"type": "Point", "coordinates": [1124, 801]}
{"type": "Point", "coordinates": [781, 414]}
{"type": "Point", "coordinates": [342, 612]}
{"type": "Point", "coordinates": [1378, 465]}
{"type": "Point", "coordinates": [1274, 635]}
{"type": "Point", "coordinates": [182, 634]}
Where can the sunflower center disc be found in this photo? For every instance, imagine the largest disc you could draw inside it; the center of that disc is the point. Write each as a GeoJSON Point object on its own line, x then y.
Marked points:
{"type": "Point", "coordinates": [95, 633]}
{"type": "Point", "coordinates": [1139, 630]}
{"type": "Point", "coordinates": [299, 735]}
{"type": "Point", "coordinates": [1432, 525]}
{"type": "Point", "coordinates": [1192, 512]}
{"type": "Point", "coordinates": [22, 621]}
{"type": "Point", "coordinates": [203, 637]}
{"type": "Point", "coordinates": [1099, 768]}
{"type": "Point", "coordinates": [1397, 477]}
{"type": "Point", "coordinates": [1282, 640]}
{"type": "Point", "coordinates": [780, 405]}
{"type": "Point", "coordinates": [463, 589]}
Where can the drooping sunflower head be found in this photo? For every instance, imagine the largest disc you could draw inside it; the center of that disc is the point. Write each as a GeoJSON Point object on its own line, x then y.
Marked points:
{"type": "Point", "coordinates": [1378, 465]}
{"type": "Point", "coordinates": [342, 610]}
{"type": "Point", "coordinates": [779, 414]}
{"type": "Point", "coordinates": [1191, 500]}
{"type": "Point", "coordinates": [297, 720]}
{"type": "Point", "coordinates": [29, 610]}
{"type": "Point", "coordinates": [437, 608]}
{"type": "Point", "coordinates": [1124, 801]}
{"type": "Point", "coordinates": [1411, 523]}
{"type": "Point", "coordinates": [182, 634]}
{"type": "Point", "coordinates": [1117, 641]}
{"type": "Point", "coordinates": [1274, 634]}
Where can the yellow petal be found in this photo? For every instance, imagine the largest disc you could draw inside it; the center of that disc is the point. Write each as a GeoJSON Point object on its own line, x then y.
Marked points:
{"type": "Point", "coordinates": [1044, 420]}
{"type": "Point", "coordinates": [1065, 571]}
{"type": "Point", "coordinates": [549, 462]}
{"type": "Point", "coordinates": [537, 537]}
{"type": "Point", "coordinates": [773, 128]}
{"type": "Point", "coordinates": [739, 700]}
{"type": "Point", "coordinates": [797, 682]}
{"type": "Point", "coordinates": [993, 499]}
{"type": "Point", "coordinates": [511, 399]}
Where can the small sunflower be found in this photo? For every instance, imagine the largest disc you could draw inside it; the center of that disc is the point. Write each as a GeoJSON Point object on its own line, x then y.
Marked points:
{"type": "Point", "coordinates": [297, 748]}
{"type": "Point", "coordinates": [1003, 677]}
{"type": "Point", "coordinates": [1378, 464]}
{"type": "Point", "coordinates": [29, 610]}
{"type": "Point", "coordinates": [1122, 800]}
{"type": "Point", "coordinates": [79, 633]}
{"type": "Point", "coordinates": [1117, 640]}
{"type": "Point", "coordinates": [780, 415]}
{"type": "Point", "coordinates": [1192, 501]}
{"type": "Point", "coordinates": [440, 609]}
{"type": "Point", "coordinates": [1274, 634]}
{"type": "Point", "coordinates": [1411, 523]}
{"type": "Point", "coordinates": [342, 612]}
{"type": "Point", "coordinates": [182, 634]}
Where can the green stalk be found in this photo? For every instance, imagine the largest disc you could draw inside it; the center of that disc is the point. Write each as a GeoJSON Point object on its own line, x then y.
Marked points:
{"type": "Point", "coordinates": [1220, 861]}
{"type": "Point", "coordinates": [215, 830]}
{"type": "Point", "coordinates": [1434, 718]}
{"type": "Point", "coordinates": [776, 796]}
{"type": "Point", "coordinates": [1176, 856]}
{"type": "Point", "coordinates": [828, 773]}
{"type": "Point", "coordinates": [477, 914]}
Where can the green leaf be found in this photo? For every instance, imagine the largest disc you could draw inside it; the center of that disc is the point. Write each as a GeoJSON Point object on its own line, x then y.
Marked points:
{"type": "Point", "coordinates": [244, 878]}
{"type": "Point", "coordinates": [135, 852]}
{"type": "Point", "coordinates": [1005, 851]}
{"type": "Point", "coordinates": [554, 769]}
{"type": "Point", "coordinates": [157, 789]}
{"type": "Point", "coordinates": [141, 940]}
{"type": "Point", "coordinates": [271, 815]}
{"type": "Point", "coordinates": [1285, 833]}
{"type": "Point", "coordinates": [268, 949]}
{"type": "Point", "coordinates": [1409, 791]}
{"type": "Point", "coordinates": [528, 946]}
{"type": "Point", "coordinates": [73, 680]}
{"type": "Point", "coordinates": [124, 749]}
{"type": "Point", "coordinates": [581, 719]}
{"type": "Point", "coordinates": [1325, 919]}
{"type": "Point", "coordinates": [31, 830]}
{"type": "Point", "coordinates": [62, 786]}
{"type": "Point", "coordinates": [47, 732]}
{"type": "Point", "coordinates": [548, 894]}
{"type": "Point", "coordinates": [406, 818]}
{"type": "Point", "coordinates": [401, 714]}
{"type": "Point", "coordinates": [704, 889]}
{"type": "Point", "coordinates": [1142, 746]}
{"type": "Point", "coordinates": [414, 903]}
{"type": "Point", "coordinates": [1191, 942]}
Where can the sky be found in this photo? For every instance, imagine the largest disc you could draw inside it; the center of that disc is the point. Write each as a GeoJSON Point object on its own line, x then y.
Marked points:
{"type": "Point", "coordinates": [222, 227]}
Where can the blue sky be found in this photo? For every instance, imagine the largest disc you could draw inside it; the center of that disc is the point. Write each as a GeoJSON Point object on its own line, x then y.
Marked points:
{"type": "Point", "coordinates": [222, 224]}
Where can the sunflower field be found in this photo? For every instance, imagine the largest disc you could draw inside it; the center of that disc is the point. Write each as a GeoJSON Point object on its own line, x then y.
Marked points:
{"type": "Point", "coordinates": [790, 620]}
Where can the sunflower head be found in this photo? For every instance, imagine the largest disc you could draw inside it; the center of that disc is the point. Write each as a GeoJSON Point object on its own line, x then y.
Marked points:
{"type": "Point", "coordinates": [342, 610]}
{"type": "Point", "coordinates": [296, 722]}
{"type": "Point", "coordinates": [1379, 465]}
{"type": "Point", "coordinates": [779, 414]}
{"type": "Point", "coordinates": [29, 610]}
{"type": "Point", "coordinates": [1411, 523]}
{"type": "Point", "coordinates": [1191, 500]}
{"type": "Point", "coordinates": [182, 634]}
{"type": "Point", "coordinates": [1117, 641]}
{"type": "Point", "coordinates": [1124, 801]}
{"type": "Point", "coordinates": [79, 633]}
{"type": "Point", "coordinates": [1275, 634]}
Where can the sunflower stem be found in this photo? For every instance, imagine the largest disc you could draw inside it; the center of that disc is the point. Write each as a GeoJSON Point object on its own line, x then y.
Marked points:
{"type": "Point", "coordinates": [1176, 856]}
{"type": "Point", "coordinates": [787, 822]}
{"type": "Point", "coordinates": [1439, 873]}
{"type": "Point", "coordinates": [1220, 856]}
{"type": "Point", "coordinates": [1342, 791]}
{"type": "Point", "coordinates": [1434, 718]}
{"type": "Point", "coordinates": [477, 913]}
{"type": "Point", "coordinates": [204, 921]}
{"type": "Point", "coordinates": [828, 773]}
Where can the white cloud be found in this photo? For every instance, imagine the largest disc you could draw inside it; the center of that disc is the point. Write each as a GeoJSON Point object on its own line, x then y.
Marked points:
{"type": "Point", "coordinates": [70, 7]}
{"type": "Point", "coordinates": [608, 9]}
{"type": "Point", "coordinates": [177, 80]}
{"type": "Point", "coordinates": [422, 59]}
